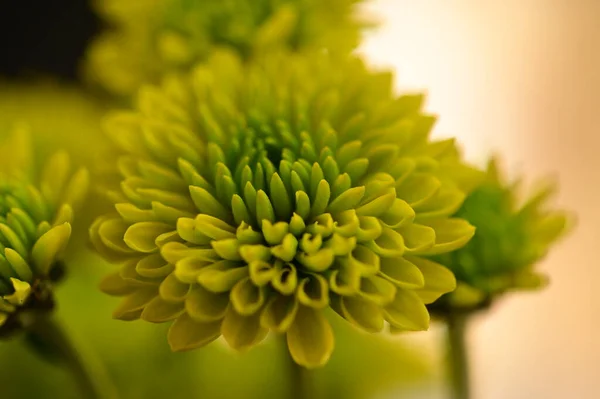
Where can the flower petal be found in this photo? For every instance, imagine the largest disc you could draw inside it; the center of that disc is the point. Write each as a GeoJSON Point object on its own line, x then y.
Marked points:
{"type": "Point", "coordinates": [310, 338]}
{"type": "Point", "coordinates": [228, 249]}
{"type": "Point", "coordinates": [153, 266]}
{"type": "Point", "coordinates": [13, 239]}
{"type": "Point", "coordinates": [377, 206]}
{"type": "Point", "coordinates": [407, 312]}
{"type": "Point", "coordinates": [402, 273]}
{"type": "Point", "coordinates": [349, 199]}
{"type": "Point", "coordinates": [131, 307]}
{"type": "Point", "coordinates": [418, 188]}
{"type": "Point", "coordinates": [242, 332]}
{"type": "Point", "coordinates": [261, 273]}
{"type": "Point", "coordinates": [346, 279]}
{"type": "Point", "coordinates": [172, 290]}
{"type": "Point", "coordinates": [313, 291]}
{"type": "Point", "coordinates": [363, 314]}
{"type": "Point", "coordinates": [114, 284]}
{"type": "Point", "coordinates": [111, 233]}
{"type": "Point", "coordinates": [286, 251]}
{"type": "Point", "coordinates": [417, 238]}
{"type": "Point", "coordinates": [369, 229]}
{"type": "Point", "coordinates": [141, 237]}
{"type": "Point", "coordinates": [251, 253]}
{"type": "Point", "coordinates": [247, 298]}
{"type": "Point", "coordinates": [214, 228]}
{"type": "Point", "coordinates": [389, 244]}
{"type": "Point", "coordinates": [77, 189]}
{"type": "Point", "coordinates": [187, 270]}
{"type": "Point", "coordinates": [439, 280]}
{"type": "Point", "coordinates": [209, 205]}
{"type": "Point", "coordinates": [186, 334]}
{"type": "Point", "coordinates": [205, 306]}
{"type": "Point", "coordinates": [451, 234]}
{"type": "Point", "coordinates": [274, 232]}
{"type": "Point", "coordinates": [318, 262]}
{"type": "Point", "coordinates": [445, 203]}
{"type": "Point", "coordinates": [18, 264]}
{"type": "Point", "coordinates": [49, 247]}
{"type": "Point", "coordinates": [399, 214]}
{"type": "Point", "coordinates": [173, 252]}
{"type": "Point", "coordinates": [222, 276]}
{"type": "Point", "coordinates": [286, 280]}
{"type": "Point", "coordinates": [160, 311]}
{"type": "Point", "coordinates": [22, 290]}
{"type": "Point", "coordinates": [279, 313]}
{"type": "Point", "coordinates": [377, 290]}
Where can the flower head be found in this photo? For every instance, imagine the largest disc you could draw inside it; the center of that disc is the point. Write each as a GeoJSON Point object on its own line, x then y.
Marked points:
{"type": "Point", "coordinates": [511, 238]}
{"type": "Point", "coordinates": [154, 36]}
{"type": "Point", "coordinates": [34, 228]}
{"type": "Point", "coordinates": [255, 197]}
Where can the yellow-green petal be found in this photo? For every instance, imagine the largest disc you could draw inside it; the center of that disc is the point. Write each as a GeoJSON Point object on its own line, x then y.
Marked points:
{"type": "Point", "coordinates": [407, 312]}
{"type": "Point", "coordinates": [49, 247]}
{"type": "Point", "coordinates": [160, 311]}
{"type": "Point", "coordinates": [242, 332]}
{"type": "Point", "coordinates": [187, 334]}
{"type": "Point", "coordinates": [310, 338]}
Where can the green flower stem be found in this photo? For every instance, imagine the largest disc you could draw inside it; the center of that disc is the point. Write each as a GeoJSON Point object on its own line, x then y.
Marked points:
{"type": "Point", "coordinates": [299, 381]}
{"type": "Point", "coordinates": [89, 374]}
{"type": "Point", "coordinates": [458, 359]}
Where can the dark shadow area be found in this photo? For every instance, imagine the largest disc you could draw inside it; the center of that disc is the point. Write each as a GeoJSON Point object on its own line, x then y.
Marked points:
{"type": "Point", "coordinates": [41, 37]}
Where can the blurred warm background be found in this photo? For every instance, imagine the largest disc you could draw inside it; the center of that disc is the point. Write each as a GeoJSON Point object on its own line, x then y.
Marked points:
{"type": "Point", "coordinates": [520, 77]}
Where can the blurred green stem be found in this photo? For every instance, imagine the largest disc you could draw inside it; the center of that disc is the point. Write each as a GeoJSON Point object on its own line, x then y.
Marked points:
{"type": "Point", "coordinates": [299, 382]}
{"type": "Point", "coordinates": [458, 358]}
{"type": "Point", "coordinates": [89, 374]}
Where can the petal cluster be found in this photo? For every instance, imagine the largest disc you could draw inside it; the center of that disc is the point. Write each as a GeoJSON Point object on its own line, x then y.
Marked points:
{"type": "Point", "coordinates": [256, 197]}
{"type": "Point", "coordinates": [512, 237]}
{"type": "Point", "coordinates": [153, 36]}
{"type": "Point", "coordinates": [35, 227]}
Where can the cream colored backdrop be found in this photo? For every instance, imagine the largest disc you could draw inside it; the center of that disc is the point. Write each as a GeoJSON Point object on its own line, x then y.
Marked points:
{"type": "Point", "coordinates": [521, 77]}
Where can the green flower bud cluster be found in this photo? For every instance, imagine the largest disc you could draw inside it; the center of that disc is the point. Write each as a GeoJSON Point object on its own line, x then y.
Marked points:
{"type": "Point", "coordinates": [255, 197]}
{"type": "Point", "coordinates": [512, 237]}
{"type": "Point", "coordinates": [35, 227]}
{"type": "Point", "coordinates": [151, 37]}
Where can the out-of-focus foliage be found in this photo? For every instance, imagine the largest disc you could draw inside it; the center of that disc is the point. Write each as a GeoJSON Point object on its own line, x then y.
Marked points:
{"type": "Point", "coordinates": [512, 236]}
{"type": "Point", "coordinates": [148, 37]}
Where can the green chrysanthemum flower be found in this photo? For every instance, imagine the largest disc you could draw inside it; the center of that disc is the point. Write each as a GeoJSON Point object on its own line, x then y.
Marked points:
{"type": "Point", "coordinates": [35, 227]}
{"type": "Point", "coordinates": [511, 238]}
{"type": "Point", "coordinates": [256, 197]}
{"type": "Point", "coordinates": [154, 36]}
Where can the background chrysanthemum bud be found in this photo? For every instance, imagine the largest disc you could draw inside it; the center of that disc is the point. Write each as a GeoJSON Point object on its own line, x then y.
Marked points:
{"type": "Point", "coordinates": [256, 197]}
{"type": "Point", "coordinates": [512, 237]}
{"type": "Point", "coordinates": [149, 37]}
{"type": "Point", "coordinates": [35, 227]}
{"type": "Point", "coordinates": [60, 117]}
